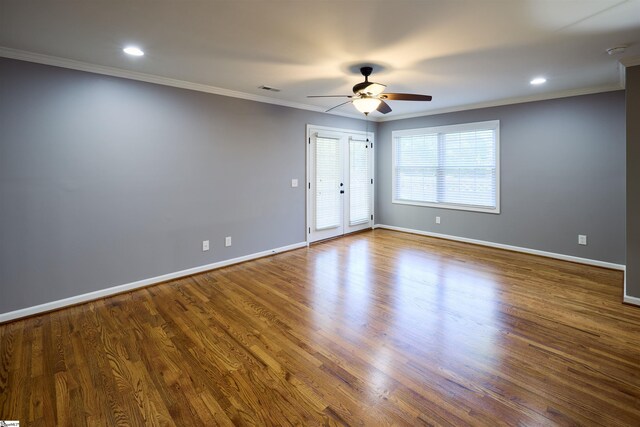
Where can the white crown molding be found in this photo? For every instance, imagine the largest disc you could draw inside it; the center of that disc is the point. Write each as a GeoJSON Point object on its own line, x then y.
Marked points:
{"type": "Point", "coordinates": [23, 55]}
{"type": "Point", "coordinates": [622, 75]}
{"type": "Point", "coordinates": [630, 62]}
{"type": "Point", "coordinates": [150, 78]}
{"type": "Point", "coordinates": [508, 101]}
{"type": "Point", "coordinates": [103, 293]}
{"type": "Point", "coordinates": [622, 68]}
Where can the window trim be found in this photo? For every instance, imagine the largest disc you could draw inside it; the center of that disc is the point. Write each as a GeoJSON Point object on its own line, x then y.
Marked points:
{"type": "Point", "coordinates": [464, 127]}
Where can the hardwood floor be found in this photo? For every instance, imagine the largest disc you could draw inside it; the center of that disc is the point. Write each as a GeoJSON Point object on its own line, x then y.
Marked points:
{"type": "Point", "coordinates": [377, 328]}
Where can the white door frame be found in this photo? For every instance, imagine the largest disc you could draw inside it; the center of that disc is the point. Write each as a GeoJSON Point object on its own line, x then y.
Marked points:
{"type": "Point", "coordinates": [311, 129]}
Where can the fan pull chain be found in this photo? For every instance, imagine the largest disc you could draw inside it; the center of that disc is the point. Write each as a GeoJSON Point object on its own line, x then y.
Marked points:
{"type": "Point", "coordinates": [366, 119]}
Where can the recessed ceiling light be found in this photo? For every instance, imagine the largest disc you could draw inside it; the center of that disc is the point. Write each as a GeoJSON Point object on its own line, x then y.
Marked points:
{"type": "Point", "coordinates": [133, 51]}
{"type": "Point", "coordinates": [538, 81]}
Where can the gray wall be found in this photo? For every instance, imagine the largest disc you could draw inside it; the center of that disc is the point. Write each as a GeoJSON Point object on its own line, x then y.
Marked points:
{"type": "Point", "coordinates": [563, 174]}
{"type": "Point", "coordinates": [106, 181]}
{"type": "Point", "coordinates": [633, 181]}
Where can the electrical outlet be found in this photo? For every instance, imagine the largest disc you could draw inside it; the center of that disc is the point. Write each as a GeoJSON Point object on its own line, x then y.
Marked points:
{"type": "Point", "coordinates": [437, 220]}
{"type": "Point", "coordinates": [294, 182]}
{"type": "Point", "coordinates": [205, 245]}
{"type": "Point", "coordinates": [582, 239]}
{"type": "Point", "coordinates": [227, 241]}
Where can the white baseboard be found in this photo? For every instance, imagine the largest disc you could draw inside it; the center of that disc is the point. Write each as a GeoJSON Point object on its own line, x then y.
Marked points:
{"type": "Point", "coordinates": [563, 257]}
{"type": "Point", "coordinates": [54, 305]}
{"type": "Point", "coordinates": [631, 300]}
{"type": "Point", "coordinates": [627, 298]}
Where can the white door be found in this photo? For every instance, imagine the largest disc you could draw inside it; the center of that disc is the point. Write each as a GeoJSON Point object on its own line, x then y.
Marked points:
{"type": "Point", "coordinates": [340, 182]}
{"type": "Point", "coordinates": [359, 184]}
{"type": "Point", "coordinates": [326, 187]}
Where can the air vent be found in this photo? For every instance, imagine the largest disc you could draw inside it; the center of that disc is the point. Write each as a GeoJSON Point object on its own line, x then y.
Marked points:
{"type": "Point", "coordinates": [269, 88]}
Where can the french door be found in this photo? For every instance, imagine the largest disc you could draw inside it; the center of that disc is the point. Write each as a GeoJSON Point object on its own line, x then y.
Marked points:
{"type": "Point", "coordinates": [339, 182]}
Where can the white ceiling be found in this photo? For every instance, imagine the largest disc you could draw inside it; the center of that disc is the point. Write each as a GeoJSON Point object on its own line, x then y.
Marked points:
{"type": "Point", "coordinates": [463, 52]}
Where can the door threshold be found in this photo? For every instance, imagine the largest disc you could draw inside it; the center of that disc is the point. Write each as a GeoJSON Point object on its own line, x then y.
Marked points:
{"type": "Point", "coordinates": [341, 236]}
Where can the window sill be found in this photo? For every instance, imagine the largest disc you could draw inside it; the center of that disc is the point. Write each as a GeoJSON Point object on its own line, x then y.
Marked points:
{"type": "Point", "coordinates": [495, 210]}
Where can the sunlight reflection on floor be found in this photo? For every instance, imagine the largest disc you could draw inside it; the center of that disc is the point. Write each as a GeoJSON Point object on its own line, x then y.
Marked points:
{"type": "Point", "coordinates": [447, 307]}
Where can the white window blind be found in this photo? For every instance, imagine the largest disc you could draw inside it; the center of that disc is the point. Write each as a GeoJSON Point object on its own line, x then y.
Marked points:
{"type": "Point", "coordinates": [450, 166]}
{"type": "Point", "coordinates": [359, 182]}
{"type": "Point", "coordinates": [328, 177]}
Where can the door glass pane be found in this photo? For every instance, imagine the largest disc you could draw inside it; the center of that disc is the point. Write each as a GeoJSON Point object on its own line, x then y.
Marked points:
{"type": "Point", "coordinates": [328, 175]}
{"type": "Point", "coordinates": [359, 182]}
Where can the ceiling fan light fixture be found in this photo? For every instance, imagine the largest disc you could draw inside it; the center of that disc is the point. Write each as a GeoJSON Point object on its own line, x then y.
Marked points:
{"type": "Point", "coordinates": [369, 96]}
{"type": "Point", "coordinates": [366, 105]}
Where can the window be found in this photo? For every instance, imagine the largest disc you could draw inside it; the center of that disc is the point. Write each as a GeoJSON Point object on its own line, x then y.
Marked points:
{"type": "Point", "coordinates": [328, 176]}
{"type": "Point", "coordinates": [359, 182]}
{"type": "Point", "coordinates": [455, 167]}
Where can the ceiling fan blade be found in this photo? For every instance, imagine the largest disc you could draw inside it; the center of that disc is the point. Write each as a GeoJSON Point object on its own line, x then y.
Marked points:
{"type": "Point", "coordinates": [339, 105]}
{"type": "Point", "coordinates": [383, 107]}
{"type": "Point", "coordinates": [405, 97]}
{"type": "Point", "coordinates": [329, 96]}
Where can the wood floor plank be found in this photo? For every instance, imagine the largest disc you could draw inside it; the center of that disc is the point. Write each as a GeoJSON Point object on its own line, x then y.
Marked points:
{"type": "Point", "coordinates": [376, 328]}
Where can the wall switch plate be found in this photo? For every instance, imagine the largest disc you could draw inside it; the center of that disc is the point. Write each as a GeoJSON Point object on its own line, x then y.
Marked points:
{"type": "Point", "coordinates": [582, 239]}
{"type": "Point", "coordinates": [205, 245]}
{"type": "Point", "coordinates": [294, 182]}
{"type": "Point", "coordinates": [227, 241]}
{"type": "Point", "coordinates": [437, 220]}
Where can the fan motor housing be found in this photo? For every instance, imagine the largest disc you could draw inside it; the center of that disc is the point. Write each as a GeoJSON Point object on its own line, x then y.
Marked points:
{"type": "Point", "coordinates": [360, 87]}
{"type": "Point", "coordinates": [366, 72]}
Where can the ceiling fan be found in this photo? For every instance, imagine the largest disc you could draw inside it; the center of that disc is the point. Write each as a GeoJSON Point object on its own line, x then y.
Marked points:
{"type": "Point", "coordinates": [368, 96]}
